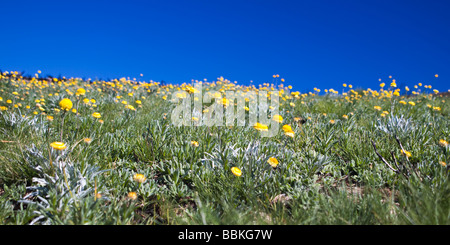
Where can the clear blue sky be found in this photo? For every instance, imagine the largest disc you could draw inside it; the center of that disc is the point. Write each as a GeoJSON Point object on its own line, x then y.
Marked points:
{"type": "Point", "coordinates": [311, 43]}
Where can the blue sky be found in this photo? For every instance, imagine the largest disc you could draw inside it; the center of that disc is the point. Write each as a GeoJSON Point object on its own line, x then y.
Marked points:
{"type": "Point", "coordinates": [311, 44]}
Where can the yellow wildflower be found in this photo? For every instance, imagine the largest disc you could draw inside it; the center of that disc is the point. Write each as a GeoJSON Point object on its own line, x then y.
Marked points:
{"type": "Point", "coordinates": [278, 118]}
{"type": "Point", "coordinates": [65, 104]}
{"type": "Point", "coordinates": [407, 153]}
{"type": "Point", "coordinates": [131, 107]}
{"type": "Point", "coordinates": [443, 143]}
{"type": "Point", "coordinates": [80, 91]}
{"type": "Point", "coordinates": [58, 146]}
{"type": "Point", "coordinates": [261, 127]}
{"type": "Point", "coordinates": [287, 128]}
{"type": "Point", "coordinates": [289, 133]}
{"type": "Point", "coordinates": [236, 171]}
{"type": "Point", "coordinates": [273, 162]}
{"type": "Point", "coordinates": [140, 178]}
{"type": "Point", "coordinates": [132, 195]}
{"type": "Point", "coordinates": [96, 115]}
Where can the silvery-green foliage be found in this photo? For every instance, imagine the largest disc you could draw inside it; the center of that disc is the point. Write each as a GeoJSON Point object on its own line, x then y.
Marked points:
{"type": "Point", "coordinates": [16, 120]}
{"type": "Point", "coordinates": [20, 123]}
{"type": "Point", "coordinates": [315, 161]}
{"type": "Point", "coordinates": [67, 181]}
{"type": "Point", "coordinates": [395, 125]}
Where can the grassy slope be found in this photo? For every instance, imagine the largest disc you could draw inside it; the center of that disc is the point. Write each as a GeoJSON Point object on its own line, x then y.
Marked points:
{"type": "Point", "coordinates": [328, 173]}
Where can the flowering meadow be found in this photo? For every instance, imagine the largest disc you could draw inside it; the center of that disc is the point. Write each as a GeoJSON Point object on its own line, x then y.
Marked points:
{"type": "Point", "coordinates": [76, 151]}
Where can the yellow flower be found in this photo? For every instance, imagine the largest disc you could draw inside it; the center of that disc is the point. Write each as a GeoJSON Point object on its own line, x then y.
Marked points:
{"type": "Point", "coordinates": [132, 195]}
{"type": "Point", "coordinates": [402, 102]}
{"type": "Point", "coordinates": [3, 108]}
{"type": "Point", "coordinates": [287, 128]}
{"type": "Point", "coordinates": [278, 118]}
{"type": "Point", "coordinates": [377, 108]}
{"type": "Point", "coordinates": [80, 91]}
{"type": "Point", "coordinates": [181, 95]}
{"type": "Point", "coordinates": [138, 102]}
{"type": "Point", "coordinates": [194, 143]}
{"type": "Point", "coordinates": [345, 116]}
{"type": "Point", "coordinates": [289, 133]}
{"type": "Point", "coordinates": [96, 115]}
{"type": "Point", "coordinates": [225, 102]}
{"type": "Point", "coordinates": [139, 178]}
{"type": "Point", "coordinates": [443, 164]}
{"type": "Point", "coordinates": [332, 121]}
{"type": "Point", "coordinates": [8, 101]}
{"type": "Point", "coordinates": [261, 127]}
{"type": "Point", "coordinates": [194, 119]}
{"type": "Point", "coordinates": [65, 104]}
{"type": "Point", "coordinates": [98, 196]}
{"type": "Point", "coordinates": [407, 153]}
{"type": "Point", "coordinates": [50, 118]}
{"type": "Point", "coordinates": [273, 162]}
{"type": "Point", "coordinates": [87, 140]}
{"type": "Point", "coordinates": [382, 85]}
{"type": "Point", "coordinates": [58, 146]}
{"type": "Point", "coordinates": [131, 107]}
{"type": "Point", "coordinates": [443, 143]}
{"type": "Point", "coordinates": [292, 104]}
{"type": "Point", "coordinates": [411, 103]}
{"type": "Point", "coordinates": [236, 171]}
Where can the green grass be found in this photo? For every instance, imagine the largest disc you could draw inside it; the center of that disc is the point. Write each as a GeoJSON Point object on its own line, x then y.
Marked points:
{"type": "Point", "coordinates": [328, 173]}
